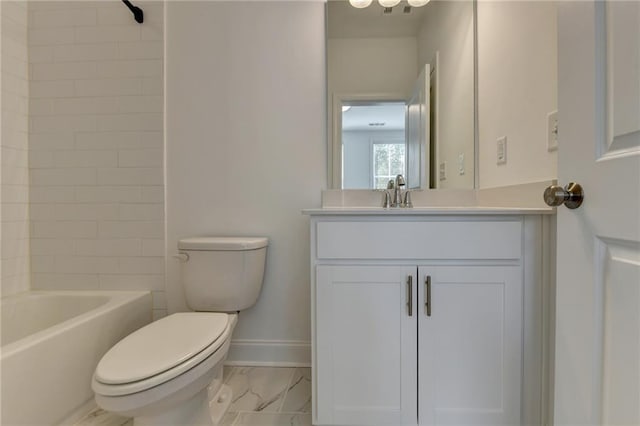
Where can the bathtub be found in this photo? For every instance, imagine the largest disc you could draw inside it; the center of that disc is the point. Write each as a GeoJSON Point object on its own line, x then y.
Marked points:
{"type": "Point", "coordinates": [51, 344]}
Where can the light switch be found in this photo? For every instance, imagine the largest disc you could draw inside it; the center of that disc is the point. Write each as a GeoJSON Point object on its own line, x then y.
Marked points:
{"type": "Point", "coordinates": [501, 146]}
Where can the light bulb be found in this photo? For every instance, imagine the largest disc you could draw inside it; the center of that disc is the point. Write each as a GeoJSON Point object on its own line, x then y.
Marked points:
{"type": "Point", "coordinates": [417, 3]}
{"type": "Point", "coordinates": [388, 3]}
{"type": "Point", "coordinates": [360, 4]}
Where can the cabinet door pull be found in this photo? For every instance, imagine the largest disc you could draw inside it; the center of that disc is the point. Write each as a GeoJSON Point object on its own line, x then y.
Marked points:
{"type": "Point", "coordinates": [427, 295]}
{"type": "Point", "coordinates": [410, 295]}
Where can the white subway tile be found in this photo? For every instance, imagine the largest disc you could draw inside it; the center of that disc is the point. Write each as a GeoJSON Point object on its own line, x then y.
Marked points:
{"type": "Point", "coordinates": [41, 159]}
{"type": "Point", "coordinates": [141, 211]}
{"type": "Point", "coordinates": [81, 212]}
{"type": "Point", "coordinates": [40, 107]}
{"type": "Point", "coordinates": [152, 86]}
{"type": "Point", "coordinates": [46, 246]}
{"type": "Point", "coordinates": [15, 193]}
{"type": "Point", "coordinates": [85, 52]}
{"type": "Point", "coordinates": [51, 89]}
{"type": "Point", "coordinates": [63, 123]}
{"type": "Point", "coordinates": [18, 176]}
{"type": "Point", "coordinates": [140, 158]}
{"type": "Point", "coordinates": [129, 69]}
{"type": "Point", "coordinates": [51, 140]}
{"type": "Point", "coordinates": [15, 231]}
{"type": "Point", "coordinates": [132, 282]}
{"type": "Point", "coordinates": [19, 212]}
{"type": "Point", "coordinates": [51, 281]}
{"type": "Point", "coordinates": [104, 34]}
{"type": "Point", "coordinates": [49, 36]}
{"type": "Point", "coordinates": [105, 140]}
{"type": "Point", "coordinates": [141, 104]}
{"type": "Point", "coordinates": [63, 71]}
{"type": "Point", "coordinates": [66, 159]}
{"type": "Point", "coordinates": [114, 229]}
{"type": "Point", "coordinates": [108, 87]}
{"type": "Point", "coordinates": [109, 194]}
{"type": "Point", "coordinates": [153, 247]}
{"type": "Point", "coordinates": [58, 229]}
{"type": "Point", "coordinates": [40, 264]}
{"type": "Point", "coordinates": [141, 50]}
{"type": "Point", "coordinates": [85, 265]}
{"type": "Point", "coordinates": [130, 122]}
{"type": "Point", "coordinates": [51, 194]}
{"type": "Point", "coordinates": [39, 54]}
{"type": "Point", "coordinates": [63, 18]}
{"type": "Point", "coordinates": [141, 265]}
{"type": "Point", "coordinates": [130, 176]}
{"type": "Point", "coordinates": [85, 105]}
{"type": "Point", "coordinates": [108, 247]}
{"type": "Point", "coordinates": [44, 212]}
{"type": "Point", "coordinates": [115, 17]}
{"type": "Point", "coordinates": [159, 300]}
{"type": "Point", "coordinates": [153, 194]}
{"type": "Point", "coordinates": [57, 177]}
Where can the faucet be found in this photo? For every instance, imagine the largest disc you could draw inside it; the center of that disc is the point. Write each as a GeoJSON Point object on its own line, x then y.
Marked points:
{"type": "Point", "coordinates": [397, 192]}
{"type": "Point", "coordinates": [386, 196]}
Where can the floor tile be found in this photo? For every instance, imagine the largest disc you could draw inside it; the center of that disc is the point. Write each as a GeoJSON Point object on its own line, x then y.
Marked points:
{"type": "Point", "coordinates": [259, 388]}
{"type": "Point", "coordinates": [273, 419]}
{"type": "Point", "coordinates": [298, 397]}
{"type": "Point", "coordinates": [100, 417]}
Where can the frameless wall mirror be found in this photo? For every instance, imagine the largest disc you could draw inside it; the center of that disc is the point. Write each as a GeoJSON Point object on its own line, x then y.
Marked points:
{"type": "Point", "coordinates": [401, 94]}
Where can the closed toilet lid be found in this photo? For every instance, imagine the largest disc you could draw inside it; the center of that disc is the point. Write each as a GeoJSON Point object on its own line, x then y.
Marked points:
{"type": "Point", "coordinates": [160, 346]}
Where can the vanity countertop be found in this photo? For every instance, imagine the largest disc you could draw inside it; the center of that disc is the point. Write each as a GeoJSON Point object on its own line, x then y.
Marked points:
{"type": "Point", "coordinates": [426, 211]}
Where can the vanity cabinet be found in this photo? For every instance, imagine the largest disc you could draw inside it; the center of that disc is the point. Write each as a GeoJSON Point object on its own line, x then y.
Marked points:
{"type": "Point", "coordinates": [420, 320]}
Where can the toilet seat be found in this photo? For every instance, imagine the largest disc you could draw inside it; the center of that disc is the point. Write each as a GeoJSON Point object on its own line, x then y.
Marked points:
{"type": "Point", "coordinates": [160, 352]}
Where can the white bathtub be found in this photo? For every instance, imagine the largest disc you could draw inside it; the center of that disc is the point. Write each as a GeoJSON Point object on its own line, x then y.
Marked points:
{"type": "Point", "coordinates": [51, 344]}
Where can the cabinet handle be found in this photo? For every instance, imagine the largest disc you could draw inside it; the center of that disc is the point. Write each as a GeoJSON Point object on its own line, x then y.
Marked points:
{"type": "Point", "coordinates": [427, 295]}
{"type": "Point", "coordinates": [410, 295]}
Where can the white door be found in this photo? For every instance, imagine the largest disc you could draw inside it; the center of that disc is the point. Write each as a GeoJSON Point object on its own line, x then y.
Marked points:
{"type": "Point", "coordinates": [598, 278]}
{"type": "Point", "coordinates": [470, 345]}
{"type": "Point", "coordinates": [417, 131]}
{"type": "Point", "coordinates": [366, 345]}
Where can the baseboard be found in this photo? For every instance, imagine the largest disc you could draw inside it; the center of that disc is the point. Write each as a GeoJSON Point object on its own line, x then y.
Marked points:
{"type": "Point", "coordinates": [269, 353]}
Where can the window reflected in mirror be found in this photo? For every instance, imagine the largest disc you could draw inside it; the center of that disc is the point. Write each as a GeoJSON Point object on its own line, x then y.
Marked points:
{"type": "Point", "coordinates": [373, 144]}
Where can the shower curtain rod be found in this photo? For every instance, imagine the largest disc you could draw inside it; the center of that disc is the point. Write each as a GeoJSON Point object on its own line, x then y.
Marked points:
{"type": "Point", "coordinates": [137, 12]}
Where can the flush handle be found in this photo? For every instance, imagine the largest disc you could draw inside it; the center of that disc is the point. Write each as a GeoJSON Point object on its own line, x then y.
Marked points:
{"type": "Point", "coordinates": [182, 257]}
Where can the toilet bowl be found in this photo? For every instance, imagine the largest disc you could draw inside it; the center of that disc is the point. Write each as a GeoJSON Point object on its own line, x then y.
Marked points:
{"type": "Point", "coordinates": [170, 371]}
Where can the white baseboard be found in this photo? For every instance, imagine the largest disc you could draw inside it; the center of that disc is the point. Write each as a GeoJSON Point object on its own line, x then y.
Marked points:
{"type": "Point", "coordinates": [269, 353]}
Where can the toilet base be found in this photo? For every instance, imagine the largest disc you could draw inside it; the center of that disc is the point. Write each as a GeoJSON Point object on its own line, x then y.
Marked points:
{"type": "Point", "coordinates": [204, 409]}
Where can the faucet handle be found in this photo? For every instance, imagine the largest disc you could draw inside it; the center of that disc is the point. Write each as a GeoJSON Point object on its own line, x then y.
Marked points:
{"type": "Point", "coordinates": [407, 200]}
{"type": "Point", "coordinates": [386, 199]}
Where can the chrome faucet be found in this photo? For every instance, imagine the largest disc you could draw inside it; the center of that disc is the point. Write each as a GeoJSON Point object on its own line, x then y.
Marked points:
{"type": "Point", "coordinates": [386, 194]}
{"type": "Point", "coordinates": [397, 192]}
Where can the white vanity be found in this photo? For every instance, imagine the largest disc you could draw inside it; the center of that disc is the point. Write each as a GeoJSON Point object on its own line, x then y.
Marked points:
{"type": "Point", "coordinates": [429, 316]}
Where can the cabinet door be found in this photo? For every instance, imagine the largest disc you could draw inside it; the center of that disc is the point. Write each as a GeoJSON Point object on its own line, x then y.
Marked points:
{"type": "Point", "coordinates": [470, 347]}
{"type": "Point", "coordinates": [365, 346]}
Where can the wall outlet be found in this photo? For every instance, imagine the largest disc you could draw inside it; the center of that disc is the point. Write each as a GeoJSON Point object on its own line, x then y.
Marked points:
{"type": "Point", "coordinates": [501, 150]}
{"type": "Point", "coordinates": [443, 170]}
{"type": "Point", "coordinates": [552, 131]}
{"type": "Point", "coordinates": [461, 164]}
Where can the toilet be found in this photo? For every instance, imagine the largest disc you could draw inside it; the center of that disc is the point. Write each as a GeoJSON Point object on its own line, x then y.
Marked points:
{"type": "Point", "coordinates": [170, 371]}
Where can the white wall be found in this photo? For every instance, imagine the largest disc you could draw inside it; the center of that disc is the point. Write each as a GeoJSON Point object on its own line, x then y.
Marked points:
{"type": "Point", "coordinates": [517, 87]}
{"type": "Point", "coordinates": [14, 148]}
{"type": "Point", "coordinates": [245, 90]}
{"type": "Point", "coordinates": [96, 147]}
{"type": "Point", "coordinates": [448, 29]}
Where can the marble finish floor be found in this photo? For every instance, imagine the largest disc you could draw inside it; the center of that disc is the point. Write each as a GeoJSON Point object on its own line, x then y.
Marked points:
{"type": "Point", "coordinates": [262, 396]}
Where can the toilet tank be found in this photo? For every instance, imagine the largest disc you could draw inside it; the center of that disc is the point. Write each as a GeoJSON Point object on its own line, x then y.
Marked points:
{"type": "Point", "coordinates": [222, 274]}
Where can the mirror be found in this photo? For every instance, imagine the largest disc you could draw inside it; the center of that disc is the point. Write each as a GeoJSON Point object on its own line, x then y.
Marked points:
{"type": "Point", "coordinates": [401, 94]}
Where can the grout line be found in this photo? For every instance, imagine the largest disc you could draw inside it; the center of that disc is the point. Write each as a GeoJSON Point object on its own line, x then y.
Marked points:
{"type": "Point", "coordinates": [286, 390]}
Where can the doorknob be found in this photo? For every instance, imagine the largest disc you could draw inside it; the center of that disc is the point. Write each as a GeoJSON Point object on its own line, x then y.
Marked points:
{"type": "Point", "coordinates": [571, 195]}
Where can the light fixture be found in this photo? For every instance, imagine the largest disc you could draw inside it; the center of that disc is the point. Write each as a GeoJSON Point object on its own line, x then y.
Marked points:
{"type": "Point", "coordinates": [388, 3]}
{"type": "Point", "coordinates": [417, 3]}
{"type": "Point", "coordinates": [360, 4]}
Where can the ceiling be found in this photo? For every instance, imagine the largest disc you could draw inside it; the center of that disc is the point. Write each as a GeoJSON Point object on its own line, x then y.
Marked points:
{"type": "Point", "coordinates": [345, 21]}
{"type": "Point", "coordinates": [359, 117]}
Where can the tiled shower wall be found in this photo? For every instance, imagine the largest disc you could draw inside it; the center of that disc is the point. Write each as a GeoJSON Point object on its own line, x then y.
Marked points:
{"type": "Point", "coordinates": [96, 147]}
{"type": "Point", "coordinates": [14, 137]}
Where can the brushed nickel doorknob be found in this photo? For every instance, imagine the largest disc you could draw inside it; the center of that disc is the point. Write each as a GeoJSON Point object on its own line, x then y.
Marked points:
{"type": "Point", "coordinates": [571, 195]}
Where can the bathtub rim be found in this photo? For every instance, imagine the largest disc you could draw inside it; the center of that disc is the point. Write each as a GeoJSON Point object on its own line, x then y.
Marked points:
{"type": "Point", "coordinates": [117, 298]}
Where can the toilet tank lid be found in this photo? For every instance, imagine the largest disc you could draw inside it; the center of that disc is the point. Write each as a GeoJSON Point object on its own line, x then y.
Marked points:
{"type": "Point", "coordinates": [222, 243]}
